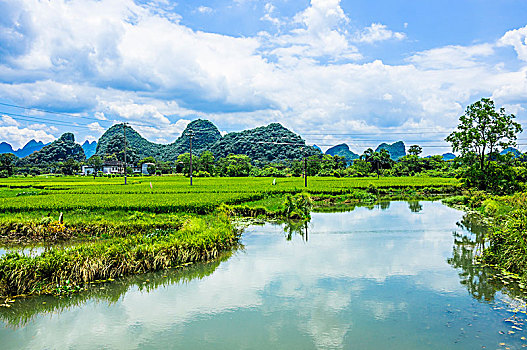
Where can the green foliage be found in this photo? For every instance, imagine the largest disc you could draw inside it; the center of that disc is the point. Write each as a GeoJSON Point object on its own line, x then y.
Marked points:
{"type": "Point", "coordinates": [70, 167]}
{"type": "Point", "coordinates": [255, 143]}
{"type": "Point", "coordinates": [298, 206]}
{"type": "Point", "coordinates": [415, 150]}
{"type": "Point", "coordinates": [183, 163]}
{"type": "Point", "coordinates": [147, 160]}
{"type": "Point", "coordinates": [234, 165]}
{"type": "Point", "coordinates": [508, 243]}
{"type": "Point", "coordinates": [481, 133]}
{"type": "Point", "coordinates": [58, 151]}
{"type": "Point", "coordinates": [206, 162]}
{"type": "Point", "coordinates": [7, 162]}
{"type": "Point", "coordinates": [379, 160]}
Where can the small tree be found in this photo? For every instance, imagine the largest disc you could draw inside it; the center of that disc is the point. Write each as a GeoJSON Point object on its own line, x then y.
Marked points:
{"type": "Point", "coordinates": [97, 163]}
{"type": "Point", "coordinates": [206, 162]}
{"type": "Point", "coordinates": [482, 130]}
{"type": "Point", "coordinates": [69, 167]}
{"type": "Point", "coordinates": [415, 150]}
{"type": "Point", "coordinates": [378, 160]}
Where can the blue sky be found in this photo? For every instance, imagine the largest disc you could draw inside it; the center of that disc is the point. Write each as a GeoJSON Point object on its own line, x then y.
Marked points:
{"type": "Point", "coordinates": [359, 72]}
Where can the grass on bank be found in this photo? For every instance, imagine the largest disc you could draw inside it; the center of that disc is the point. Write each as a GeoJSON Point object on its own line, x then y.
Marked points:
{"type": "Point", "coordinates": [69, 269]}
{"type": "Point", "coordinates": [507, 237]}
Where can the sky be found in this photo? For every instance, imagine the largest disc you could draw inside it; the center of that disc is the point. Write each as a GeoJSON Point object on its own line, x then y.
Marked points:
{"type": "Point", "coordinates": [334, 71]}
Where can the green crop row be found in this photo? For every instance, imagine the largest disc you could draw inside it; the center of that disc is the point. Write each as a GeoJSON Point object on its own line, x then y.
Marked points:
{"type": "Point", "coordinates": [174, 194]}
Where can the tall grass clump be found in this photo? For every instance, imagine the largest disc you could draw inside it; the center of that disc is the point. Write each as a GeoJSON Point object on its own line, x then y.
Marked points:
{"type": "Point", "coordinates": [508, 244]}
{"type": "Point", "coordinates": [198, 239]}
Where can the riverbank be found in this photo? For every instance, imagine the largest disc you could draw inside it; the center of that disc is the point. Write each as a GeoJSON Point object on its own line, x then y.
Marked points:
{"type": "Point", "coordinates": [65, 270]}
{"type": "Point", "coordinates": [507, 220]}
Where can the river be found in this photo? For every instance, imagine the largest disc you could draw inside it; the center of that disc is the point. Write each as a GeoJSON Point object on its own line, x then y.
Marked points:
{"type": "Point", "coordinates": [398, 275]}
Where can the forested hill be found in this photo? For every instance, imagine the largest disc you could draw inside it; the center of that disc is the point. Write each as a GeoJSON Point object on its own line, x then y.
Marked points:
{"type": "Point", "coordinates": [206, 134]}
{"type": "Point", "coordinates": [396, 149]}
{"type": "Point", "coordinates": [58, 151]}
{"type": "Point", "coordinates": [343, 150]}
{"type": "Point", "coordinates": [258, 144]}
{"type": "Point", "coordinates": [112, 141]}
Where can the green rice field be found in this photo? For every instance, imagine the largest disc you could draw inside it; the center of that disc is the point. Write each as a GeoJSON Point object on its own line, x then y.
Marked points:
{"type": "Point", "coordinates": [173, 194]}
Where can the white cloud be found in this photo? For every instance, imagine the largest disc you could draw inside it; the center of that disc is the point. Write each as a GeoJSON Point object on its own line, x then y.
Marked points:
{"type": "Point", "coordinates": [452, 57]}
{"type": "Point", "coordinates": [116, 60]}
{"type": "Point", "coordinates": [8, 121]}
{"type": "Point", "coordinates": [96, 127]}
{"type": "Point", "coordinates": [18, 136]}
{"type": "Point", "coordinates": [268, 16]}
{"type": "Point", "coordinates": [205, 9]}
{"type": "Point", "coordinates": [516, 38]}
{"type": "Point", "coordinates": [378, 32]}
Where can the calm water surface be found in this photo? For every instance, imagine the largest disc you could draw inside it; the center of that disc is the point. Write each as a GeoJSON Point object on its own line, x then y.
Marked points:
{"type": "Point", "coordinates": [395, 276]}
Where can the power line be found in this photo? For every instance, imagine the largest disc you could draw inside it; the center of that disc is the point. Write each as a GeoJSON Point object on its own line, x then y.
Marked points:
{"type": "Point", "coordinates": [48, 121]}
{"type": "Point", "coordinates": [74, 116]}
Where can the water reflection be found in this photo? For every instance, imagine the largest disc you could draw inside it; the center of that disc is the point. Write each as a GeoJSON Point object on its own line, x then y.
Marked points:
{"type": "Point", "coordinates": [384, 205]}
{"type": "Point", "coordinates": [482, 282]}
{"type": "Point", "coordinates": [296, 227]}
{"type": "Point", "coordinates": [415, 206]}
{"type": "Point", "coordinates": [25, 309]}
{"type": "Point", "coordinates": [372, 278]}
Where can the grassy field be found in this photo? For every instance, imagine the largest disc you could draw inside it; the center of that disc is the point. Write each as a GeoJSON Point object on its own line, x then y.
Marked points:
{"type": "Point", "coordinates": [173, 194]}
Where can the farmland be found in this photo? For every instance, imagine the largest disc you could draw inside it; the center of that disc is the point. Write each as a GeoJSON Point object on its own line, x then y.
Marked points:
{"type": "Point", "coordinates": [174, 195]}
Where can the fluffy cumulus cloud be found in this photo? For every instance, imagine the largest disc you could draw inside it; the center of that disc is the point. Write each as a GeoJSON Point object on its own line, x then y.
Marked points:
{"type": "Point", "coordinates": [516, 38]}
{"type": "Point", "coordinates": [18, 136]}
{"type": "Point", "coordinates": [123, 61]}
{"type": "Point", "coordinates": [378, 32]}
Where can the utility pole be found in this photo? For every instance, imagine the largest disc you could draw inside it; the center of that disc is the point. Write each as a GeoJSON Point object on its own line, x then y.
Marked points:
{"type": "Point", "coordinates": [305, 166]}
{"type": "Point", "coordinates": [190, 134]}
{"type": "Point", "coordinates": [124, 131]}
{"type": "Point", "coordinates": [303, 147]}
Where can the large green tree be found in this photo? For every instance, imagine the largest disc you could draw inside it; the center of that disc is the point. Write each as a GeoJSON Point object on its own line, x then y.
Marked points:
{"type": "Point", "coordinates": [7, 162]}
{"type": "Point", "coordinates": [379, 160]}
{"type": "Point", "coordinates": [482, 130]}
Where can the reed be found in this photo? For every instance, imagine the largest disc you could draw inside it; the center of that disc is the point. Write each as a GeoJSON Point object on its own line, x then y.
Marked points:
{"type": "Point", "coordinates": [198, 239]}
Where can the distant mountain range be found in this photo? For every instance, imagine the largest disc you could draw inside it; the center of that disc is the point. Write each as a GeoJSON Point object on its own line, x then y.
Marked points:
{"type": "Point", "coordinates": [264, 145]}
{"type": "Point", "coordinates": [30, 147]}
{"type": "Point", "coordinates": [343, 150]}
{"type": "Point", "coordinates": [396, 150]}
{"type": "Point", "coordinates": [57, 151]}
{"type": "Point", "coordinates": [89, 148]}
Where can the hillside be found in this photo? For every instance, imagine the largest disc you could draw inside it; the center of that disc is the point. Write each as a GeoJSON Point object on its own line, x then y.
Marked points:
{"type": "Point", "coordinates": [206, 134]}
{"type": "Point", "coordinates": [343, 150]}
{"type": "Point", "coordinates": [396, 149]}
{"type": "Point", "coordinates": [256, 143]}
{"type": "Point", "coordinates": [112, 141]}
{"type": "Point", "coordinates": [512, 150]}
{"type": "Point", "coordinates": [58, 151]}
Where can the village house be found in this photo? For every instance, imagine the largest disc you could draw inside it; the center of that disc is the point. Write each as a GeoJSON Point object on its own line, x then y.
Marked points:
{"type": "Point", "coordinates": [115, 167]}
